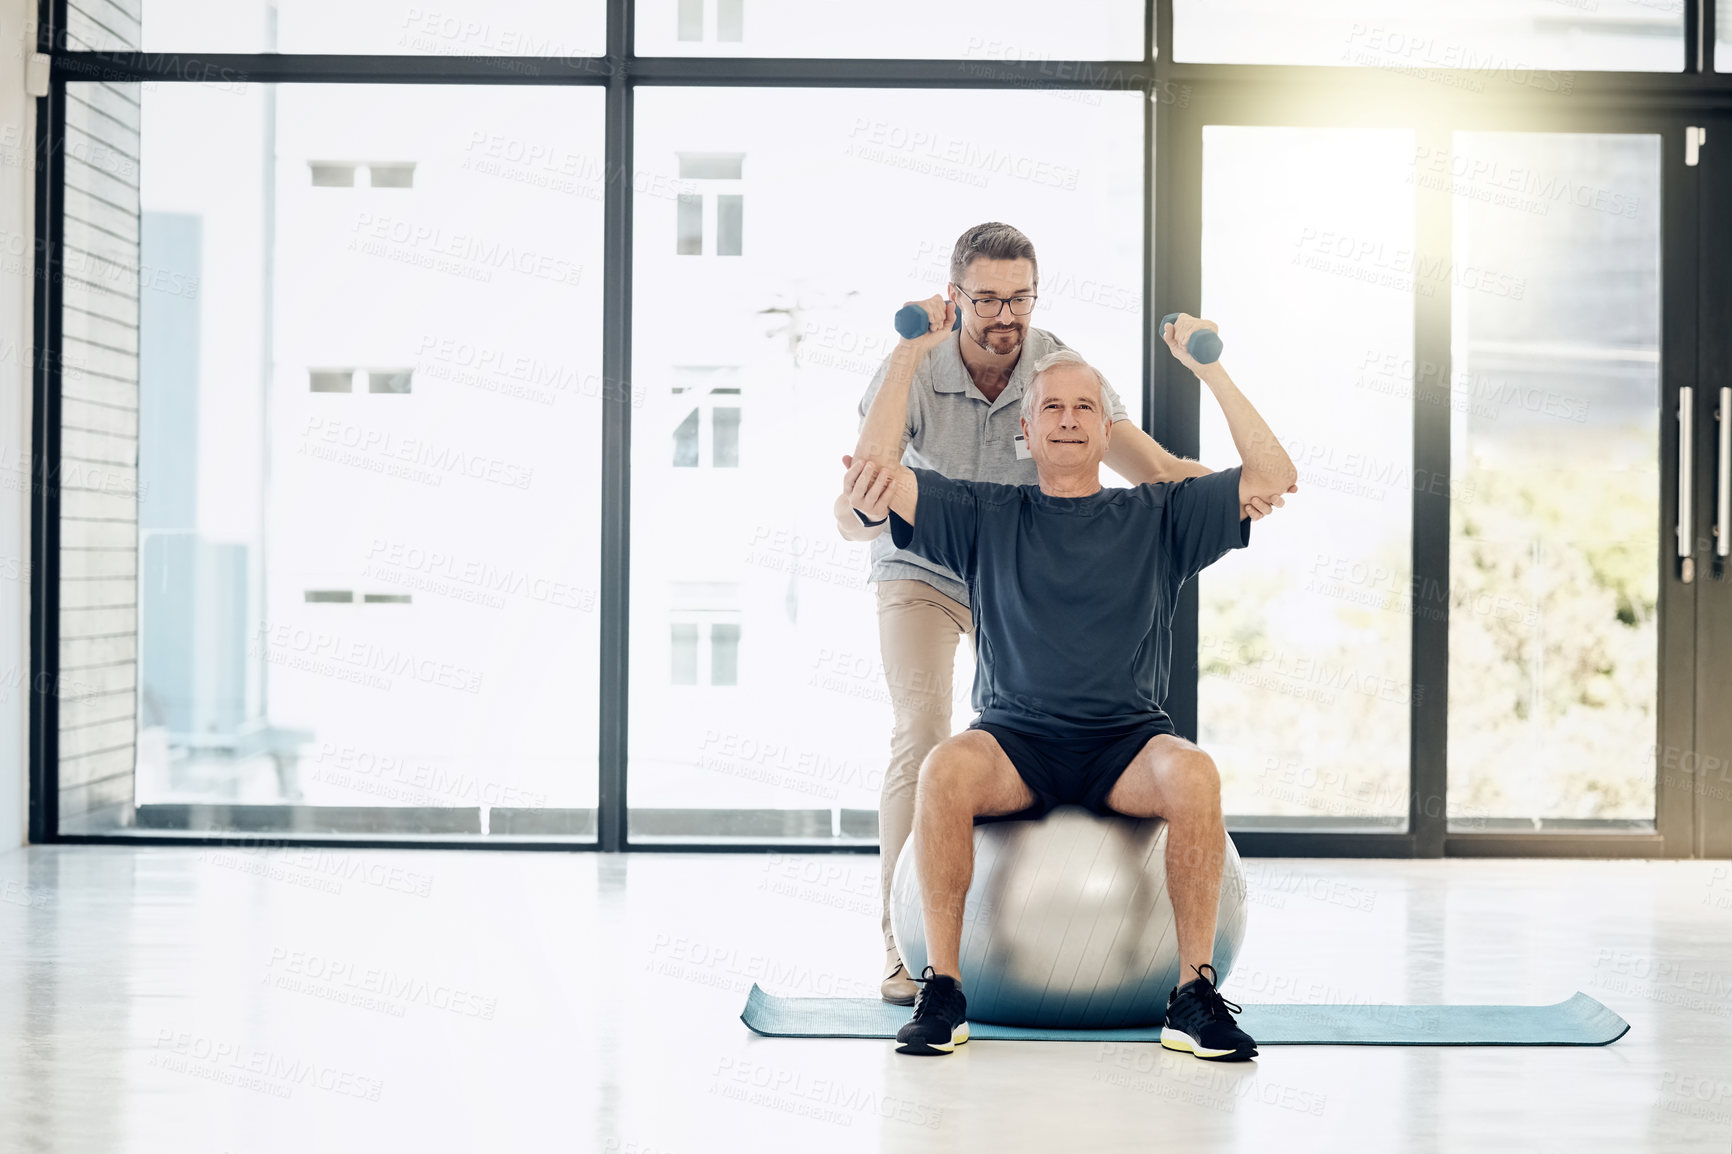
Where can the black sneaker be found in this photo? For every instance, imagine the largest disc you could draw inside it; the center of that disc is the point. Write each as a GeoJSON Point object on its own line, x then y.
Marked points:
{"type": "Point", "coordinates": [1198, 1021]}
{"type": "Point", "coordinates": [940, 1017]}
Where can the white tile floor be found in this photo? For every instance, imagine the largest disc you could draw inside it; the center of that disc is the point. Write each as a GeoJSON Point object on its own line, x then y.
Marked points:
{"type": "Point", "coordinates": [234, 1000]}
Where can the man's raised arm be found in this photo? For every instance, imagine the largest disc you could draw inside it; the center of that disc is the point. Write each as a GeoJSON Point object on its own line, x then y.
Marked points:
{"type": "Point", "coordinates": [876, 479]}
{"type": "Point", "coordinates": [1267, 469]}
{"type": "Point", "coordinates": [1142, 460]}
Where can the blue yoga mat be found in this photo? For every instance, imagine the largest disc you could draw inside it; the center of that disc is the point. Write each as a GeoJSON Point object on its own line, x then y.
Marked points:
{"type": "Point", "coordinates": [1578, 1021]}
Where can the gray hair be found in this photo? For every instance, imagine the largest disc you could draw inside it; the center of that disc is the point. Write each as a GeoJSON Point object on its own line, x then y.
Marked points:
{"type": "Point", "coordinates": [1052, 361]}
{"type": "Point", "coordinates": [993, 240]}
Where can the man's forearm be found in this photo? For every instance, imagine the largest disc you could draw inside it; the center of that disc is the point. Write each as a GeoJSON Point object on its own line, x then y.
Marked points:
{"type": "Point", "coordinates": [1178, 468]}
{"type": "Point", "coordinates": [887, 418]}
{"type": "Point", "coordinates": [1140, 459]}
{"type": "Point", "coordinates": [1266, 464]}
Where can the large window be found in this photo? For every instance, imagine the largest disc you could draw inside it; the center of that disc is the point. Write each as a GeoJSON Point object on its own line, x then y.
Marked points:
{"type": "Point", "coordinates": [758, 698]}
{"type": "Point", "coordinates": [891, 29]}
{"type": "Point", "coordinates": [1474, 45]}
{"type": "Point", "coordinates": [367, 446]}
{"type": "Point", "coordinates": [509, 28]}
{"type": "Point", "coordinates": [443, 405]}
{"type": "Point", "coordinates": [1303, 687]}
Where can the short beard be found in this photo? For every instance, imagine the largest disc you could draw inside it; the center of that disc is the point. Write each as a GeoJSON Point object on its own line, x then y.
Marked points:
{"type": "Point", "coordinates": [987, 337]}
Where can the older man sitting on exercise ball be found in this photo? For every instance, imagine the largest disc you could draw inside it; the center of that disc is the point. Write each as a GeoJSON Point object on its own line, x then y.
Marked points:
{"type": "Point", "coordinates": [1073, 588]}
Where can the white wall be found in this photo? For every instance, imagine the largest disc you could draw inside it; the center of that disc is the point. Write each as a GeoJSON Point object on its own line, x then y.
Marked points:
{"type": "Point", "coordinates": [17, 146]}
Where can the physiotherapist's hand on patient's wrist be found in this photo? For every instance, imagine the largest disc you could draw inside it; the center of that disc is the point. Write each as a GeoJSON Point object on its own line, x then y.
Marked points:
{"type": "Point", "coordinates": [868, 488]}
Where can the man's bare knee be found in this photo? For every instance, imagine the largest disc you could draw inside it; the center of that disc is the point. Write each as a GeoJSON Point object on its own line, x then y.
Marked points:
{"type": "Point", "coordinates": [1185, 779]}
{"type": "Point", "coordinates": [1195, 781]}
{"type": "Point", "coordinates": [952, 772]}
{"type": "Point", "coordinates": [969, 772]}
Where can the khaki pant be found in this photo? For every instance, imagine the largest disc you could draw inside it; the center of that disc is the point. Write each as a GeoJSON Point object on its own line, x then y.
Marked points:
{"type": "Point", "coordinates": [918, 628]}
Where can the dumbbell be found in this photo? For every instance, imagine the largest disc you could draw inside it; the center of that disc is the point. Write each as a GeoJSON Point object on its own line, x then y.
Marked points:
{"type": "Point", "coordinates": [1204, 345]}
{"type": "Point", "coordinates": [913, 323]}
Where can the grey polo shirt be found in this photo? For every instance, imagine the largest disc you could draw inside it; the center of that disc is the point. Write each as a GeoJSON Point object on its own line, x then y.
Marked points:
{"type": "Point", "coordinates": [953, 429]}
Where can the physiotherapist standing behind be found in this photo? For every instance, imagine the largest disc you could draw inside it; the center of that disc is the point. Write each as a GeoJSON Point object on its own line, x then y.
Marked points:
{"type": "Point", "coordinates": [963, 421]}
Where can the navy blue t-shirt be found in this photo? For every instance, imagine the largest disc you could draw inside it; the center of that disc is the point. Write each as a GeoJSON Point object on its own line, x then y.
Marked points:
{"type": "Point", "coordinates": [1073, 597]}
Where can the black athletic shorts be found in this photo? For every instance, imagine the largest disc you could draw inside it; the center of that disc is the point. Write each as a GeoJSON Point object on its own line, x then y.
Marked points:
{"type": "Point", "coordinates": [1071, 771]}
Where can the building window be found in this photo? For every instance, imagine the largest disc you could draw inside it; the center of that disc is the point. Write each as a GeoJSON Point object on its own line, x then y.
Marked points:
{"type": "Point", "coordinates": [717, 210]}
{"type": "Point", "coordinates": [691, 19]}
{"type": "Point", "coordinates": [730, 222]}
{"type": "Point", "coordinates": [347, 597]}
{"type": "Point", "coordinates": [704, 633]}
{"type": "Point", "coordinates": [704, 653]}
{"type": "Point", "coordinates": [730, 20]}
{"type": "Point", "coordinates": [706, 409]}
{"type": "Point", "coordinates": [683, 656]}
{"type": "Point", "coordinates": [686, 441]}
{"type": "Point", "coordinates": [729, 15]}
{"type": "Point", "coordinates": [343, 380]}
{"type": "Point", "coordinates": [724, 653]}
{"type": "Point", "coordinates": [725, 429]}
{"type": "Point", "coordinates": [349, 174]}
{"type": "Point", "coordinates": [690, 225]}
{"type": "Point", "coordinates": [392, 175]}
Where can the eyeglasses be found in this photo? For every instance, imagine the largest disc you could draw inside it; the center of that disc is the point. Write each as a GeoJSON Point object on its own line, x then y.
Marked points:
{"type": "Point", "coordinates": [988, 307]}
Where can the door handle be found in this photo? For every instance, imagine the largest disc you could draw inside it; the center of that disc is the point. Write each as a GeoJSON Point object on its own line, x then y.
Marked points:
{"type": "Point", "coordinates": [1686, 470]}
{"type": "Point", "coordinates": [1723, 478]}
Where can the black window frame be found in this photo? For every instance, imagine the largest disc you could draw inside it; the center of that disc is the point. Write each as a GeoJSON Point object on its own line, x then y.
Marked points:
{"type": "Point", "coordinates": [1178, 94]}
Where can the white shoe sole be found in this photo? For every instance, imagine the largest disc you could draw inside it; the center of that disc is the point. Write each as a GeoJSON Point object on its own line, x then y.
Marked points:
{"type": "Point", "coordinates": [1172, 1039]}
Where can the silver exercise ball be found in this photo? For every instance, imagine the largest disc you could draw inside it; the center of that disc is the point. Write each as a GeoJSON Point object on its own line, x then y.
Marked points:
{"type": "Point", "coordinates": [1068, 922]}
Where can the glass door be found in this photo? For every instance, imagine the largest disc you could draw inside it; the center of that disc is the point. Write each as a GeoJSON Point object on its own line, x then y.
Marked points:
{"type": "Point", "coordinates": [1556, 422]}
{"type": "Point", "coordinates": [1697, 775]}
{"type": "Point", "coordinates": [1471, 627]}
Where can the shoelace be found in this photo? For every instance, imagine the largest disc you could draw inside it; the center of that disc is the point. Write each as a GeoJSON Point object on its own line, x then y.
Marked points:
{"type": "Point", "coordinates": [1213, 1002]}
{"type": "Point", "coordinates": [932, 997]}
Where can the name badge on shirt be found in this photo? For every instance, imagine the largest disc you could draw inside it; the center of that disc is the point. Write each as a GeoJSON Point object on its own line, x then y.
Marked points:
{"type": "Point", "coordinates": [1022, 453]}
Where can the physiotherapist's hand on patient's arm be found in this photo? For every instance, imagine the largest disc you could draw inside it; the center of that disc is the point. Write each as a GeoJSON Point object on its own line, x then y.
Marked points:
{"type": "Point", "coordinates": [1258, 508]}
{"type": "Point", "coordinates": [878, 490]}
{"type": "Point", "coordinates": [1267, 470]}
{"type": "Point", "coordinates": [849, 524]}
